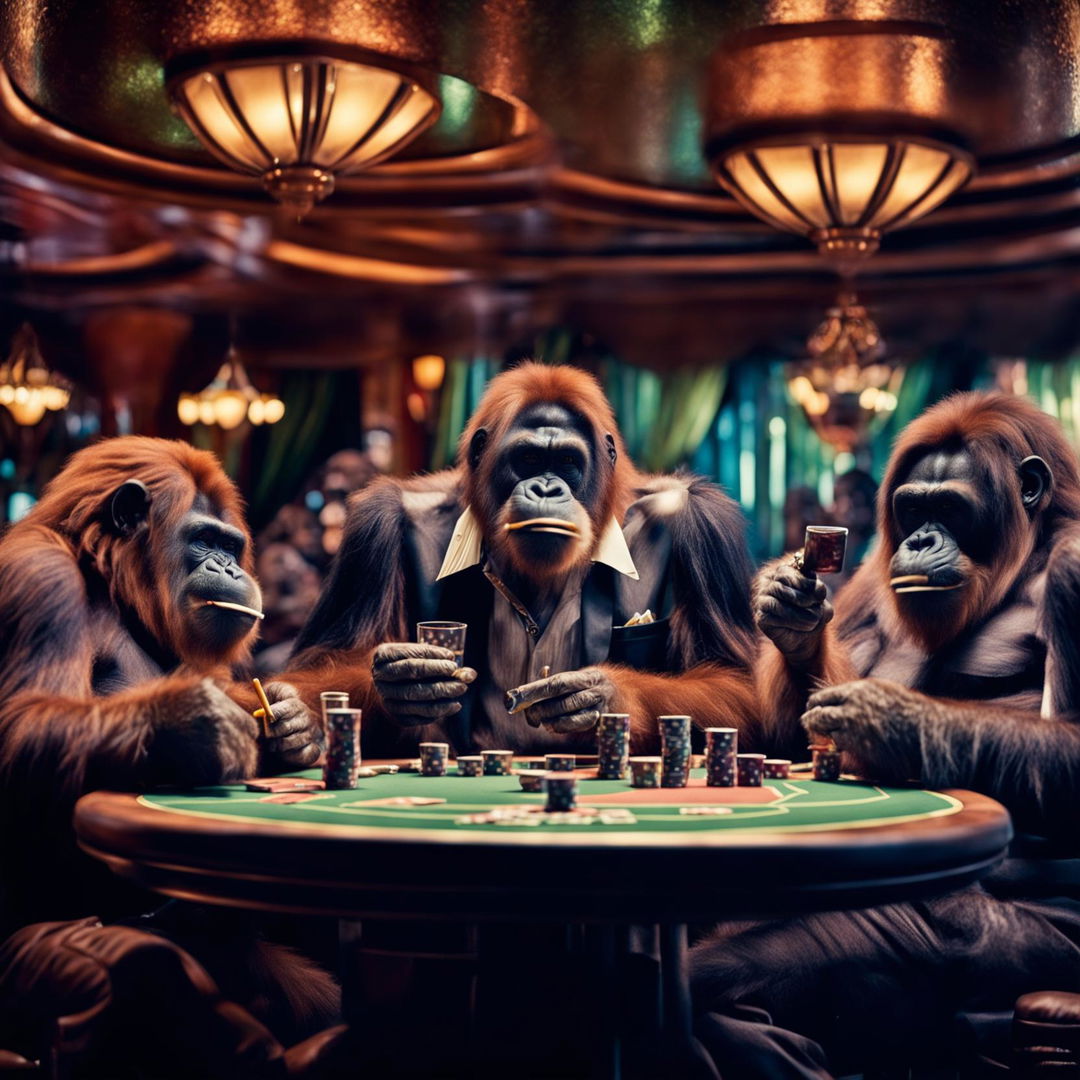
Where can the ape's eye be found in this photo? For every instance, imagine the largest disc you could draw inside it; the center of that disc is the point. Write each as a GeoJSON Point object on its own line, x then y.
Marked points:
{"type": "Point", "coordinates": [531, 458]}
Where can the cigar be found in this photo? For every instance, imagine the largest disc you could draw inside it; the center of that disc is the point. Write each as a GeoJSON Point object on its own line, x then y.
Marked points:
{"type": "Point", "coordinates": [236, 607]}
{"type": "Point", "coordinates": [266, 713]}
{"type": "Point", "coordinates": [559, 526]}
{"type": "Point", "coordinates": [514, 702]}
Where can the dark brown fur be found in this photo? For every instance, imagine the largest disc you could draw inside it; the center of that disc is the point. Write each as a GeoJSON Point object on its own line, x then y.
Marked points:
{"type": "Point", "coordinates": [366, 600]}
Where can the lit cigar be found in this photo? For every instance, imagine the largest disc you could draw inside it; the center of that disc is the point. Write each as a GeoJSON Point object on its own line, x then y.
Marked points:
{"type": "Point", "coordinates": [236, 607]}
{"type": "Point", "coordinates": [514, 702]}
{"type": "Point", "coordinates": [265, 710]}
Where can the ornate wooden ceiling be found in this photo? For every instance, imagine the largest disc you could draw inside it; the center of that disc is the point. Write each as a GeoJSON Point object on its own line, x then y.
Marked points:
{"type": "Point", "coordinates": [565, 180]}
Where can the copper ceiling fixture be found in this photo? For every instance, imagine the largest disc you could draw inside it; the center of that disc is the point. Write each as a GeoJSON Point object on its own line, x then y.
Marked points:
{"type": "Point", "coordinates": [297, 115]}
{"type": "Point", "coordinates": [839, 131]}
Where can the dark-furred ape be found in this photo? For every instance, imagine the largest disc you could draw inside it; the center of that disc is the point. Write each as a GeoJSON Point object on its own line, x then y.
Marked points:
{"type": "Point", "coordinates": [962, 621]}
{"type": "Point", "coordinates": [115, 668]}
{"type": "Point", "coordinates": [546, 541]}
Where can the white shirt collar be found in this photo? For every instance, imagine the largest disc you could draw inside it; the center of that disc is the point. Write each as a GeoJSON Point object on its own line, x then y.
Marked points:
{"type": "Point", "coordinates": [466, 548]}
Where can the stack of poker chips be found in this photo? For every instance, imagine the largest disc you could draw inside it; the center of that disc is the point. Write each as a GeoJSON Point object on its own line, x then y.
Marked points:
{"type": "Point", "coordinates": [721, 748]}
{"type": "Point", "coordinates": [750, 769]}
{"type": "Point", "coordinates": [613, 746]}
{"type": "Point", "coordinates": [559, 762]}
{"type": "Point", "coordinates": [561, 791]}
{"type": "Point", "coordinates": [342, 749]}
{"type": "Point", "coordinates": [433, 758]}
{"type": "Point", "coordinates": [497, 762]}
{"type": "Point", "coordinates": [644, 772]}
{"type": "Point", "coordinates": [470, 765]}
{"type": "Point", "coordinates": [826, 762]}
{"type": "Point", "coordinates": [776, 768]}
{"type": "Point", "coordinates": [674, 750]}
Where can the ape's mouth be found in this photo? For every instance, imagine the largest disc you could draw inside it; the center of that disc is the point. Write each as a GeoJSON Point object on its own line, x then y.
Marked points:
{"type": "Point", "coordinates": [555, 526]}
{"type": "Point", "coordinates": [916, 583]}
{"type": "Point", "coordinates": [228, 606]}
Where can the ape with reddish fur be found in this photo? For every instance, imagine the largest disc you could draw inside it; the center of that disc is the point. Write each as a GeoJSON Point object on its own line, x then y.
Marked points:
{"type": "Point", "coordinates": [116, 672]}
{"type": "Point", "coordinates": [546, 541]}
{"type": "Point", "coordinates": [962, 626]}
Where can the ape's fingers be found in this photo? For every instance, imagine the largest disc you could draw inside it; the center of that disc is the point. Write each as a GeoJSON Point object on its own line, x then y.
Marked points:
{"type": "Point", "coordinates": [413, 670]}
{"type": "Point", "coordinates": [565, 682]}
{"type": "Point", "coordinates": [824, 720]}
{"type": "Point", "coordinates": [430, 710]}
{"type": "Point", "coordinates": [301, 759]}
{"type": "Point", "coordinates": [795, 597]}
{"type": "Point", "coordinates": [407, 650]}
{"type": "Point", "coordinates": [546, 711]}
{"type": "Point", "coordinates": [423, 691]}
{"type": "Point", "coordinates": [279, 691]}
{"type": "Point", "coordinates": [279, 745]}
{"type": "Point", "coordinates": [790, 576]}
{"type": "Point", "coordinates": [585, 720]}
{"type": "Point", "coordinates": [830, 695]}
{"type": "Point", "coordinates": [290, 723]}
{"type": "Point", "coordinates": [788, 618]}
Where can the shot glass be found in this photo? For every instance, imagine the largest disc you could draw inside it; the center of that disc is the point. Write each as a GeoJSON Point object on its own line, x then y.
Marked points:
{"type": "Point", "coordinates": [447, 635]}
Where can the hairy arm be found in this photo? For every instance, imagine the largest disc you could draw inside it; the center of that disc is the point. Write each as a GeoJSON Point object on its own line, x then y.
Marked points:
{"type": "Point", "coordinates": [57, 740]}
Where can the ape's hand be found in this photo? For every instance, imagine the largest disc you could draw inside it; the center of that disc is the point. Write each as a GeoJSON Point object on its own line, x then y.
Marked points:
{"type": "Point", "coordinates": [419, 684]}
{"type": "Point", "coordinates": [792, 610]}
{"type": "Point", "coordinates": [568, 702]}
{"type": "Point", "coordinates": [293, 742]}
{"type": "Point", "coordinates": [876, 723]}
{"type": "Point", "coordinates": [201, 736]}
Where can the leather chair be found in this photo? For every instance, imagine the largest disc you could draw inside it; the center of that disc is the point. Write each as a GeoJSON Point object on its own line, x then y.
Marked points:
{"type": "Point", "coordinates": [1046, 1035]}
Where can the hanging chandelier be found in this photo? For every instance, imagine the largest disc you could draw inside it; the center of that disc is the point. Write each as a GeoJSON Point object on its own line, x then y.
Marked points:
{"type": "Point", "coordinates": [838, 129]}
{"type": "Point", "coordinates": [845, 380]}
{"type": "Point", "coordinates": [301, 115]}
{"type": "Point", "coordinates": [841, 192]}
{"type": "Point", "coordinates": [28, 389]}
{"type": "Point", "coordinates": [229, 400]}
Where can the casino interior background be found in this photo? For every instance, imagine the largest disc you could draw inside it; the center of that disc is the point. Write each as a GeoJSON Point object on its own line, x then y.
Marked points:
{"type": "Point", "coordinates": [551, 189]}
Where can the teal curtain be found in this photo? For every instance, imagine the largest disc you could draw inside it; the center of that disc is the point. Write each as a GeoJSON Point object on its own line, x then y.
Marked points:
{"type": "Point", "coordinates": [463, 387]}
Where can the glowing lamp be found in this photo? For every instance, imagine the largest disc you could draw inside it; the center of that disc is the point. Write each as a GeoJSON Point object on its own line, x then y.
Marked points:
{"type": "Point", "coordinates": [297, 121]}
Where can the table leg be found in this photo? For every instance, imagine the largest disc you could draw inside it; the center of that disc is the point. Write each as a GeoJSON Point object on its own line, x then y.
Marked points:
{"type": "Point", "coordinates": [674, 983]}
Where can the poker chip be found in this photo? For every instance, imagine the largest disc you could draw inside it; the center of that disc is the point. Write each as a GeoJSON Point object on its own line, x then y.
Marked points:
{"type": "Point", "coordinates": [470, 765]}
{"type": "Point", "coordinates": [497, 762]}
{"type": "Point", "coordinates": [776, 768]}
{"type": "Point", "coordinates": [750, 769]}
{"type": "Point", "coordinates": [704, 811]}
{"type": "Point", "coordinates": [342, 749]}
{"type": "Point", "coordinates": [559, 762]}
{"type": "Point", "coordinates": [561, 791]}
{"type": "Point", "coordinates": [721, 751]}
{"type": "Point", "coordinates": [826, 764]}
{"type": "Point", "coordinates": [644, 772]}
{"type": "Point", "coordinates": [433, 758]}
{"type": "Point", "coordinates": [674, 750]}
{"type": "Point", "coordinates": [613, 746]}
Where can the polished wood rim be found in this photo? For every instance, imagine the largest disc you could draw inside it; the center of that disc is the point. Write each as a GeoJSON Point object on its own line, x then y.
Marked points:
{"type": "Point", "coordinates": [394, 873]}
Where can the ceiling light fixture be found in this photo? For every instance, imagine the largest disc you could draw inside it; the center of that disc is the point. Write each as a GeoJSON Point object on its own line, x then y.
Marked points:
{"type": "Point", "coordinates": [229, 400]}
{"type": "Point", "coordinates": [842, 192]}
{"type": "Point", "coordinates": [27, 387]}
{"type": "Point", "coordinates": [300, 115]}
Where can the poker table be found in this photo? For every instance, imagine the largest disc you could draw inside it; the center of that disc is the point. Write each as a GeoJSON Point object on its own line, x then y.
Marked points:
{"type": "Point", "coordinates": [423, 851]}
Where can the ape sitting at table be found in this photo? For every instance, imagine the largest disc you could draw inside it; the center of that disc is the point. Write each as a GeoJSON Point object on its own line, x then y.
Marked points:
{"type": "Point", "coordinates": [962, 623]}
{"type": "Point", "coordinates": [125, 595]}
{"type": "Point", "coordinates": [546, 541]}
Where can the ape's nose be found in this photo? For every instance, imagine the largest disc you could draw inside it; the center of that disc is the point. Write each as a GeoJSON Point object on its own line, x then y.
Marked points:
{"type": "Point", "coordinates": [923, 540]}
{"type": "Point", "coordinates": [545, 488]}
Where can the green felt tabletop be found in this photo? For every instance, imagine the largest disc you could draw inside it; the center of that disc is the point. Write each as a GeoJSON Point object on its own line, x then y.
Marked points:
{"type": "Point", "coordinates": [785, 805]}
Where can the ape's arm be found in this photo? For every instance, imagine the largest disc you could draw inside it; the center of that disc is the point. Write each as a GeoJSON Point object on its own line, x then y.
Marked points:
{"type": "Point", "coordinates": [363, 605]}
{"type": "Point", "coordinates": [799, 649]}
{"type": "Point", "coordinates": [58, 740]}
